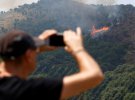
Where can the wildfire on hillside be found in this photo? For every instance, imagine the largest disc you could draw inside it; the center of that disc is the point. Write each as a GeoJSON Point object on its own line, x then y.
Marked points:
{"type": "Point", "coordinates": [95, 31]}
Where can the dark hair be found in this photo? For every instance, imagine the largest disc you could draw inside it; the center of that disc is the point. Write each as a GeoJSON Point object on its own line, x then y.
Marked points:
{"type": "Point", "coordinates": [15, 43]}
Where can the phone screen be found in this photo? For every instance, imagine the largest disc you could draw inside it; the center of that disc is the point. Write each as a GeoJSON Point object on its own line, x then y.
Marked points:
{"type": "Point", "coordinates": [56, 40]}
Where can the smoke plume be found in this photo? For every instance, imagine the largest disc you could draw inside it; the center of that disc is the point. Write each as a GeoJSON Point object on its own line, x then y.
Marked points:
{"type": "Point", "coordinates": [104, 2]}
{"type": "Point", "coordinates": [5, 5]}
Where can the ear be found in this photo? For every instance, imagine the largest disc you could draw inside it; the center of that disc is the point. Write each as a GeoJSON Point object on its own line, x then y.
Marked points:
{"type": "Point", "coordinates": [28, 56]}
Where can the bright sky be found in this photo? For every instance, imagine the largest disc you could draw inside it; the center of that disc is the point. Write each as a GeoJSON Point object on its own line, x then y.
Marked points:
{"type": "Point", "coordinates": [8, 4]}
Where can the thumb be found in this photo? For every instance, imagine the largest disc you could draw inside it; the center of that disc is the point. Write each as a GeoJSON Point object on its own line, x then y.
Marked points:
{"type": "Point", "coordinates": [66, 48]}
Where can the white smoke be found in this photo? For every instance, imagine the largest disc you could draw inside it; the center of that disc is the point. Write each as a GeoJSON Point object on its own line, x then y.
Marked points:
{"type": "Point", "coordinates": [104, 2]}
{"type": "Point", "coordinates": [5, 5]}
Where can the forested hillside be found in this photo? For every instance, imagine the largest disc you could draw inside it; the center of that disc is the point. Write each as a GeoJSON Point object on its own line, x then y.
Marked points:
{"type": "Point", "coordinates": [113, 49]}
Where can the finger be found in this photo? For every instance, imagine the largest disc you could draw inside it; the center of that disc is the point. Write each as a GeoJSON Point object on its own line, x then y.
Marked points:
{"type": "Point", "coordinates": [65, 34]}
{"type": "Point", "coordinates": [71, 33]}
{"type": "Point", "coordinates": [47, 33]}
{"type": "Point", "coordinates": [79, 31]}
{"type": "Point", "coordinates": [66, 48]}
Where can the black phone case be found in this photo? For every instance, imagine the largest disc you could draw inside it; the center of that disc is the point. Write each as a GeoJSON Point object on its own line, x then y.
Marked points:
{"type": "Point", "coordinates": [56, 40]}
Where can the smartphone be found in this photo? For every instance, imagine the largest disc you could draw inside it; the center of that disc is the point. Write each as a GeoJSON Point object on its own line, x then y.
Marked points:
{"type": "Point", "coordinates": [56, 40]}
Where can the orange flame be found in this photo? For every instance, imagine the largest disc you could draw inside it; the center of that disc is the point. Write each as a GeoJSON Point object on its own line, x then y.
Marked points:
{"type": "Point", "coordinates": [94, 30]}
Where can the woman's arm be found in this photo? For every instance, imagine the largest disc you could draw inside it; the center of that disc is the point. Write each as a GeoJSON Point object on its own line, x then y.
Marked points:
{"type": "Point", "coordinates": [90, 74]}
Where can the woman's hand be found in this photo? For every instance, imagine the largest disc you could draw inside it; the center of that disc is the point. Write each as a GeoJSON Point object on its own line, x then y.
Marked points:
{"type": "Point", "coordinates": [44, 36]}
{"type": "Point", "coordinates": [73, 41]}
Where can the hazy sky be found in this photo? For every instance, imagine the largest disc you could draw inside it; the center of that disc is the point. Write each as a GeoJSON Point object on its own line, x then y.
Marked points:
{"type": "Point", "coordinates": [7, 4]}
